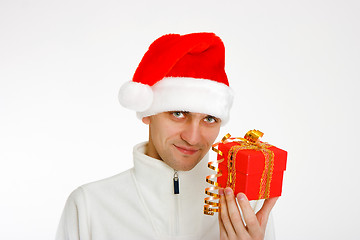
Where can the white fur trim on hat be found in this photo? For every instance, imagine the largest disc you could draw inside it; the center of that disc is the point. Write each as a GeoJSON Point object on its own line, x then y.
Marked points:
{"type": "Point", "coordinates": [190, 94]}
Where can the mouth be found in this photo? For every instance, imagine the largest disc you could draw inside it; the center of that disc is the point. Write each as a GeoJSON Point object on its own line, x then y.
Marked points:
{"type": "Point", "coordinates": [187, 150]}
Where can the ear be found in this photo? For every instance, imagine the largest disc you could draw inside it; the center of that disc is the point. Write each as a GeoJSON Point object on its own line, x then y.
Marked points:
{"type": "Point", "coordinates": [146, 120]}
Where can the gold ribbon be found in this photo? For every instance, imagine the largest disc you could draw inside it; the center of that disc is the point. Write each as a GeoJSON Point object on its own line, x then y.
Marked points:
{"type": "Point", "coordinates": [212, 203]}
{"type": "Point", "coordinates": [250, 141]}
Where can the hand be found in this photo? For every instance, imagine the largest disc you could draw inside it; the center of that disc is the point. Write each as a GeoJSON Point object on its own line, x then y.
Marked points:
{"type": "Point", "coordinates": [232, 225]}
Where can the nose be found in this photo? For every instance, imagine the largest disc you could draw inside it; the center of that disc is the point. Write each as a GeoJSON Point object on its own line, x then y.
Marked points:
{"type": "Point", "coordinates": [191, 133]}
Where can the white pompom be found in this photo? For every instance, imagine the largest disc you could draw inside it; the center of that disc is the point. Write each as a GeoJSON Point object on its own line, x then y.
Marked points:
{"type": "Point", "coordinates": [136, 96]}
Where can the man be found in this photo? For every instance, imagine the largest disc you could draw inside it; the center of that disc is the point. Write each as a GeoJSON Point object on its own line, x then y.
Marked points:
{"type": "Point", "coordinates": [180, 89]}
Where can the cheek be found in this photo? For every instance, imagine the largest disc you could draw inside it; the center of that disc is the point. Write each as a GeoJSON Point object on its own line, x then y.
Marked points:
{"type": "Point", "coordinates": [211, 134]}
{"type": "Point", "coordinates": [170, 128]}
{"type": "Point", "coordinates": [165, 131]}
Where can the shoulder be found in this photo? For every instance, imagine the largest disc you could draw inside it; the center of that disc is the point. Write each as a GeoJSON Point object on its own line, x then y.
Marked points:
{"type": "Point", "coordinates": [115, 182]}
{"type": "Point", "coordinates": [107, 186]}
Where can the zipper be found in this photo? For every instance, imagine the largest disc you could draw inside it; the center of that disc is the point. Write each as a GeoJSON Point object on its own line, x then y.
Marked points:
{"type": "Point", "coordinates": [176, 203]}
{"type": "Point", "coordinates": [176, 182]}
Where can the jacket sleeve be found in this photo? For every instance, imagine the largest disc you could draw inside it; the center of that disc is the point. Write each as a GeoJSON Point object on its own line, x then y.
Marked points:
{"type": "Point", "coordinates": [74, 219]}
{"type": "Point", "coordinates": [270, 229]}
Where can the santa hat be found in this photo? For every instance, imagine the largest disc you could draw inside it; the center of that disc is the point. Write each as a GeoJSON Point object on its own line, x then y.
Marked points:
{"type": "Point", "coordinates": [181, 73]}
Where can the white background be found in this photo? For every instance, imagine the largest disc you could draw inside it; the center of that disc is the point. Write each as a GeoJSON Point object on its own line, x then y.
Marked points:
{"type": "Point", "coordinates": [294, 65]}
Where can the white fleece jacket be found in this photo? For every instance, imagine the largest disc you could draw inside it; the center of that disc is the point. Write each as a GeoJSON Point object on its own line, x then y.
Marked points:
{"type": "Point", "coordinates": [140, 204]}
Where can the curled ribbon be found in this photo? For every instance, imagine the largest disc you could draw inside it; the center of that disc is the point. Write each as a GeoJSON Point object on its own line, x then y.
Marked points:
{"type": "Point", "coordinates": [212, 203]}
{"type": "Point", "coordinates": [250, 141]}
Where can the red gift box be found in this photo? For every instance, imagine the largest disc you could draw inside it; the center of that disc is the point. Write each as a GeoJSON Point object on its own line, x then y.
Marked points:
{"type": "Point", "coordinates": [251, 171]}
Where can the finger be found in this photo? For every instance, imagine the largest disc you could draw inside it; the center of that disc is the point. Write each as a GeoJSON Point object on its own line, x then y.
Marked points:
{"type": "Point", "coordinates": [224, 214]}
{"type": "Point", "coordinates": [223, 234]}
{"type": "Point", "coordinates": [234, 213]}
{"type": "Point", "coordinates": [264, 212]}
{"type": "Point", "coordinates": [250, 218]}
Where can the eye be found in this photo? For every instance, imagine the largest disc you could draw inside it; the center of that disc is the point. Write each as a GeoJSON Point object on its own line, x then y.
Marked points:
{"type": "Point", "coordinates": [210, 119]}
{"type": "Point", "coordinates": [178, 114]}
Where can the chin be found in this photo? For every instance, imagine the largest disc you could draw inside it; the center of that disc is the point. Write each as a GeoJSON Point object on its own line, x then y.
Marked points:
{"type": "Point", "coordinates": [182, 162]}
{"type": "Point", "coordinates": [187, 167]}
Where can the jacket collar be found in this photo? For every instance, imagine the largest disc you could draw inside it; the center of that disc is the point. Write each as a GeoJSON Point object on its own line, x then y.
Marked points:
{"type": "Point", "coordinates": [155, 181]}
{"type": "Point", "coordinates": [150, 171]}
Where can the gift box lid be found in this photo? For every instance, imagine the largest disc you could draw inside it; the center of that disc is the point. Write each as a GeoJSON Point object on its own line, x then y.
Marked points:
{"type": "Point", "coordinates": [250, 161]}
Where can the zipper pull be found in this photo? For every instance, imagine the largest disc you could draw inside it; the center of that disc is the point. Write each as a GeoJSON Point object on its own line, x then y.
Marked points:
{"type": "Point", "coordinates": [176, 183]}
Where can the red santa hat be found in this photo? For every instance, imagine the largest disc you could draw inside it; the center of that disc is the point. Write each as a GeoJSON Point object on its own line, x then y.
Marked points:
{"type": "Point", "coordinates": [181, 73]}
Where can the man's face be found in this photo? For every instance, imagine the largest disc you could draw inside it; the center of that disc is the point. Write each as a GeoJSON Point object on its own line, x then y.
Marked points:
{"type": "Point", "coordinates": [181, 139]}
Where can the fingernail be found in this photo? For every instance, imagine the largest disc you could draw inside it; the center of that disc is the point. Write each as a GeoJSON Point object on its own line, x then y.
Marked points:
{"type": "Point", "coordinates": [221, 192]}
{"type": "Point", "coordinates": [228, 191]}
{"type": "Point", "coordinates": [241, 196]}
